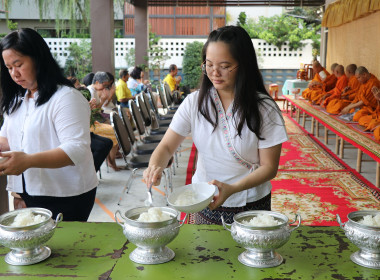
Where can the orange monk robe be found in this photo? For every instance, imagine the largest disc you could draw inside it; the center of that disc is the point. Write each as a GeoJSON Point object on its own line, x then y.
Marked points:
{"type": "Point", "coordinates": [328, 84]}
{"type": "Point", "coordinates": [354, 85]}
{"type": "Point", "coordinates": [365, 94]}
{"type": "Point", "coordinates": [376, 133]}
{"type": "Point", "coordinates": [372, 120]}
{"type": "Point", "coordinates": [335, 93]}
{"type": "Point", "coordinates": [317, 78]}
{"type": "Point", "coordinates": [336, 105]}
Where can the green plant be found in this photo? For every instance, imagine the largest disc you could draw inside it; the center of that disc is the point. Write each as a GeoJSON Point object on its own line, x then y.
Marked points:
{"type": "Point", "coordinates": [79, 61]}
{"type": "Point", "coordinates": [130, 57]}
{"type": "Point", "coordinates": [191, 64]}
{"type": "Point", "coordinates": [156, 54]}
{"type": "Point", "coordinates": [12, 25]}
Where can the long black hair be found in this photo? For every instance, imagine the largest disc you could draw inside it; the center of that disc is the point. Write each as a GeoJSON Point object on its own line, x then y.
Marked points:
{"type": "Point", "coordinates": [249, 81]}
{"type": "Point", "coordinates": [28, 42]}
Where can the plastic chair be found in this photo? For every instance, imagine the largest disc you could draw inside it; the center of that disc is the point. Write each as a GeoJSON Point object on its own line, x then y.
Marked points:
{"type": "Point", "coordinates": [154, 128]}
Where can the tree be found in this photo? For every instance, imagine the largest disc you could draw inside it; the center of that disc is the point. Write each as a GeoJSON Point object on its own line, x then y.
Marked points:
{"type": "Point", "coordinates": [242, 19]}
{"type": "Point", "coordinates": [156, 54]}
{"type": "Point", "coordinates": [191, 65]}
{"type": "Point", "coordinates": [79, 62]}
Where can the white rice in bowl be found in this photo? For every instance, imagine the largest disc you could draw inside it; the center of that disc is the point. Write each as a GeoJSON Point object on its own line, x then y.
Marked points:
{"type": "Point", "coordinates": [27, 218]}
{"type": "Point", "coordinates": [262, 220]}
{"type": "Point", "coordinates": [153, 215]}
{"type": "Point", "coordinates": [188, 197]}
{"type": "Point", "coordinates": [369, 220]}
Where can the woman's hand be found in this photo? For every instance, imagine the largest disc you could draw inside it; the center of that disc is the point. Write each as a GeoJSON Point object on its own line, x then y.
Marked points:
{"type": "Point", "coordinates": [153, 174]}
{"type": "Point", "coordinates": [16, 163]}
{"type": "Point", "coordinates": [225, 191]}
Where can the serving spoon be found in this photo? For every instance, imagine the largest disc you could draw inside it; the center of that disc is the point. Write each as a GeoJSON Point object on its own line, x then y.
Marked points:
{"type": "Point", "coordinates": [149, 200]}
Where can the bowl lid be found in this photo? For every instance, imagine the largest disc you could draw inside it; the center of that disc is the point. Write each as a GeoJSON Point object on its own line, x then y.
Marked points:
{"type": "Point", "coordinates": [133, 214]}
{"type": "Point", "coordinates": [7, 219]}
{"type": "Point", "coordinates": [248, 215]}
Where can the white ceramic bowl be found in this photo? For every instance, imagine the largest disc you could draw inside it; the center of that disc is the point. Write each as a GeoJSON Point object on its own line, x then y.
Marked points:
{"type": "Point", "coordinates": [204, 191]}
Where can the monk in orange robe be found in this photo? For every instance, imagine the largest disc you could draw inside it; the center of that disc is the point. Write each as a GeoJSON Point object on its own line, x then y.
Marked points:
{"type": "Point", "coordinates": [372, 121]}
{"type": "Point", "coordinates": [341, 84]}
{"type": "Point", "coordinates": [364, 99]}
{"type": "Point", "coordinates": [316, 84]}
{"type": "Point", "coordinates": [337, 104]}
{"type": "Point", "coordinates": [327, 85]}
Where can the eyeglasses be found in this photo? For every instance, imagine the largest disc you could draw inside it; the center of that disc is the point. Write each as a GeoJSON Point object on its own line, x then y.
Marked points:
{"type": "Point", "coordinates": [224, 71]}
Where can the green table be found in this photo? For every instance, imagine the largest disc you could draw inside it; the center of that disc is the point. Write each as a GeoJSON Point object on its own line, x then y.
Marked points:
{"type": "Point", "coordinates": [100, 251]}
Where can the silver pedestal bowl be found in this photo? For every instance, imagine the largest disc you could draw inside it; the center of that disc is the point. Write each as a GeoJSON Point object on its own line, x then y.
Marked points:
{"type": "Point", "coordinates": [150, 238]}
{"type": "Point", "coordinates": [366, 238]}
{"type": "Point", "coordinates": [260, 242]}
{"type": "Point", "coordinates": [27, 242]}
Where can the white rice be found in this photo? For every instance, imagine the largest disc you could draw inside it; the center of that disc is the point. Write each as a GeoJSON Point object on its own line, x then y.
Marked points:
{"type": "Point", "coordinates": [154, 214]}
{"type": "Point", "coordinates": [262, 220]}
{"type": "Point", "coordinates": [188, 197]}
{"type": "Point", "coordinates": [27, 218]}
{"type": "Point", "coordinates": [370, 220]}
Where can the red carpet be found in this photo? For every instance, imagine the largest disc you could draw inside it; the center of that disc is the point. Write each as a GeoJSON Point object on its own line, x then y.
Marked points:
{"type": "Point", "coordinates": [314, 182]}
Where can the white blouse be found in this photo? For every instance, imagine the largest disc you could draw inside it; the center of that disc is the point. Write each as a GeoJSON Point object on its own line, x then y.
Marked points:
{"type": "Point", "coordinates": [62, 122]}
{"type": "Point", "coordinates": [214, 158]}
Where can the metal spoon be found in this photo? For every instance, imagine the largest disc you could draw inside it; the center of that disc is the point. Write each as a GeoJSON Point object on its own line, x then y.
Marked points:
{"type": "Point", "coordinates": [149, 200]}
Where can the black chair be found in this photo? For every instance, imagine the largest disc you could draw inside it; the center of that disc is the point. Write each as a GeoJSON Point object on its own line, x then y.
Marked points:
{"type": "Point", "coordinates": [140, 125]}
{"type": "Point", "coordinates": [155, 108]}
{"type": "Point", "coordinates": [138, 148]}
{"type": "Point", "coordinates": [171, 97]}
{"type": "Point", "coordinates": [147, 103]}
{"type": "Point", "coordinates": [134, 162]}
{"type": "Point", "coordinates": [163, 101]}
{"type": "Point", "coordinates": [153, 127]}
{"type": "Point", "coordinates": [100, 148]}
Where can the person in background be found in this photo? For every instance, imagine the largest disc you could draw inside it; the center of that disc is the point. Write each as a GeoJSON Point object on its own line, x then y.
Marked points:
{"type": "Point", "coordinates": [134, 82]}
{"type": "Point", "coordinates": [46, 130]}
{"type": "Point", "coordinates": [171, 79]}
{"type": "Point", "coordinates": [101, 84]}
{"type": "Point", "coordinates": [123, 93]}
{"type": "Point", "coordinates": [236, 126]}
{"type": "Point", "coordinates": [87, 80]}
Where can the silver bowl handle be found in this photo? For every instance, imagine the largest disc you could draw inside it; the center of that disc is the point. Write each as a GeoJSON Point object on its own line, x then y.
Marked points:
{"type": "Point", "coordinates": [340, 221]}
{"type": "Point", "coordinates": [181, 222]}
{"type": "Point", "coordinates": [225, 224]}
{"type": "Point", "coordinates": [116, 219]}
{"type": "Point", "coordinates": [58, 219]}
{"type": "Point", "coordinates": [297, 217]}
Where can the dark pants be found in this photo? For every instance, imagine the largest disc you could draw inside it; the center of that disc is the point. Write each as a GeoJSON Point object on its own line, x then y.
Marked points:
{"type": "Point", "coordinates": [73, 208]}
{"type": "Point", "coordinates": [100, 148]}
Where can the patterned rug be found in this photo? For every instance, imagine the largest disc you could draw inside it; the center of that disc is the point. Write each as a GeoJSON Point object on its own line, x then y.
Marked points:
{"type": "Point", "coordinates": [313, 182]}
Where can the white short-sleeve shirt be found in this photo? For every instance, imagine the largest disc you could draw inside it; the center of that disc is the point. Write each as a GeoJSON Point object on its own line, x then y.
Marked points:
{"type": "Point", "coordinates": [215, 160]}
{"type": "Point", "coordinates": [62, 122]}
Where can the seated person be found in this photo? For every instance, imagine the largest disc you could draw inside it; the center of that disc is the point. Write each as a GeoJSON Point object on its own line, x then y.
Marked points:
{"type": "Point", "coordinates": [341, 84]}
{"type": "Point", "coordinates": [171, 78]}
{"type": "Point", "coordinates": [134, 84]}
{"type": "Point", "coordinates": [335, 105]}
{"type": "Point", "coordinates": [123, 93]}
{"type": "Point", "coordinates": [327, 85]}
{"type": "Point", "coordinates": [364, 100]}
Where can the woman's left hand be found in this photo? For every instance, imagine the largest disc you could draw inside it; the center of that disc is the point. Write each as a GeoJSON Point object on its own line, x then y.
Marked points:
{"type": "Point", "coordinates": [16, 163]}
{"type": "Point", "coordinates": [225, 191]}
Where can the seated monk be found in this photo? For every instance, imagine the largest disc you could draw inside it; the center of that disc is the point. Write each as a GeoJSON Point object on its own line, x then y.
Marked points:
{"type": "Point", "coordinates": [341, 84]}
{"type": "Point", "coordinates": [327, 85]}
{"type": "Point", "coordinates": [364, 99]}
{"type": "Point", "coordinates": [321, 81]}
{"type": "Point", "coordinates": [335, 105]}
{"type": "Point", "coordinates": [372, 121]}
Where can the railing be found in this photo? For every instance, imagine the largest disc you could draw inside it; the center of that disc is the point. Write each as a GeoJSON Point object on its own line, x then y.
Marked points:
{"type": "Point", "coordinates": [269, 56]}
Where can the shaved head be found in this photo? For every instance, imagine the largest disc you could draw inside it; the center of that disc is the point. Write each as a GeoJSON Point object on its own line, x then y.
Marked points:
{"type": "Point", "coordinates": [339, 69]}
{"type": "Point", "coordinates": [361, 70]}
{"type": "Point", "coordinates": [333, 66]}
{"type": "Point", "coordinates": [362, 74]}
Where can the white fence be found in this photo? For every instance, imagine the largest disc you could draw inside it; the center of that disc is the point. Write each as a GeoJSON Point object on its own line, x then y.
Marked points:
{"type": "Point", "coordinates": [270, 57]}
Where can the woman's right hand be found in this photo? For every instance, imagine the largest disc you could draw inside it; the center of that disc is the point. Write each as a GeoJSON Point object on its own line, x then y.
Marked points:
{"type": "Point", "coordinates": [153, 174]}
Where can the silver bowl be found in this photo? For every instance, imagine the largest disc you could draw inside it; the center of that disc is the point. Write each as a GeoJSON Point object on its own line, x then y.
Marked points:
{"type": "Point", "coordinates": [366, 238]}
{"type": "Point", "coordinates": [150, 238]}
{"type": "Point", "coordinates": [260, 242]}
{"type": "Point", "coordinates": [27, 242]}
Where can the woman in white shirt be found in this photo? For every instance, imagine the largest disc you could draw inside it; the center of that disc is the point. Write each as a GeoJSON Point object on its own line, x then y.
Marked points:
{"type": "Point", "coordinates": [46, 130]}
{"type": "Point", "coordinates": [236, 126]}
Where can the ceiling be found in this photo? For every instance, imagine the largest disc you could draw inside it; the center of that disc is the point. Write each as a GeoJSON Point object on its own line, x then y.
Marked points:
{"type": "Point", "coordinates": [283, 3]}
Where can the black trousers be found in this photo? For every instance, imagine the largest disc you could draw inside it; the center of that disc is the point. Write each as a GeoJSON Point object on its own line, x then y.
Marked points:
{"type": "Point", "coordinates": [73, 208]}
{"type": "Point", "coordinates": [100, 148]}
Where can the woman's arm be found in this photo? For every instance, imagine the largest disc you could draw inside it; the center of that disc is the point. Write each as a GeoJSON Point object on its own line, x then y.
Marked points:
{"type": "Point", "coordinates": [161, 156]}
{"type": "Point", "coordinates": [269, 161]}
{"type": "Point", "coordinates": [18, 162]}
